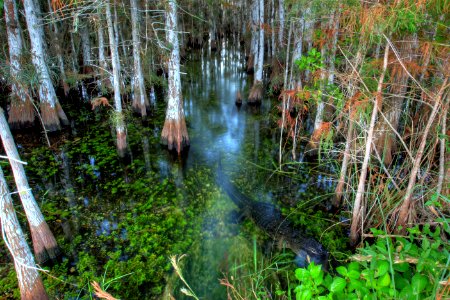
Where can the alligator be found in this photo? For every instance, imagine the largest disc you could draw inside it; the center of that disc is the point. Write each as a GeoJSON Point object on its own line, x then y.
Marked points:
{"type": "Point", "coordinates": [270, 219]}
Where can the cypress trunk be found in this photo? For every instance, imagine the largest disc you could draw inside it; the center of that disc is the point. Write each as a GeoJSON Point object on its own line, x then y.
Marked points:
{"type": "Point", "coordinates": [174, 133]}
{"type": "Point", "coordinates": [44, 242]}
{"type": "Point", "coordinates": [22, 111]}
{"type": "Point", "coordinates": [118, 121]}
{"type": "Point", "coordinates": [30, 283]}
{"type": "Point", "coordinates": [51, 112]}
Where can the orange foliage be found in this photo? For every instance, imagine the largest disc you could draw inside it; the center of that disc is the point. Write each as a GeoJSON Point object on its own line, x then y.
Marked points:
{"type": "Point", "coordinates": [99, 101]}
{"type": "Point", "coordinates": [324, 128]}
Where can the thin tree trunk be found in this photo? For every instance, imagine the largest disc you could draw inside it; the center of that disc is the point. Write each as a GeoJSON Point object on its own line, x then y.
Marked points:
{"type": "Point", "coordinates": [358, 207]}
{"type": "Point", "coordinates": [22, 111]}
{"type": "Point", "coordinates": [283, 109]}
{"type": "Point", "coordinates": [174, 133]}
{"type": "Point", "coordinates": [104, 80]}
{"type": "Point", "coordinates": [442, 141]}
{"type": "Point", "coordinates": [51, 111]}
{"type": "Point", "coordinates": [255, 38]}
{"type": "Point", "coordinates": [281, 23]}
{"type": "Point", "coordinates": [30, 283]}
{"type": "Point", "coordinates": [119, 121]}
{"type": "Point", "coordinates": [345, 162]}
{"type": "Point", "coordinates": [405, 209]}
{"type": "Point", "coordinates": [272, 31]}
{"type": "Point", "coordinates": [86, 47]}
{"type": "Point", "coordinates": [140, 100]}
{"type": "Point", "coordinates": [44, 242]}
{"type": "Point", "coordinates": [256, 93]}
{"type": "Point", "coordinates": [58, 50]}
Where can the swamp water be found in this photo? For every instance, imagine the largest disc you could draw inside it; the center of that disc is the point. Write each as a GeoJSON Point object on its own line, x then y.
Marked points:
{"type": "Point", "coordinates": [119, 222]}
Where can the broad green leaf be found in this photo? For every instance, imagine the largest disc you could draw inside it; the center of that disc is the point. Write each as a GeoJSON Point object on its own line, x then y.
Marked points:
{"type": "Point", "coordinates": [384, 280]}
{"type": "Point", "coordinates": [353, 266]}
{"type": "Point", "coordinates": [353, 274]}
{"type": "Point", "coordinates": [338, 285]}
{"type": "Point", "coordinates": [315, 271]}
{"type": "Point", "coordinates": [418, 283]}
{"type": "Point", "coordinates": [301, 274]}
{"type": "Point", "coordinates": [382, 268]}
{"type": "Point", "coordinates": [306, 294]}
{"type": "Point", "coordinates": [342, 270]}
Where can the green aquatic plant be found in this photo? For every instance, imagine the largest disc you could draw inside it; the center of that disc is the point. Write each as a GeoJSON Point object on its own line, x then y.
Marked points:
{"type": "Point", "coordinates": [394, 267]}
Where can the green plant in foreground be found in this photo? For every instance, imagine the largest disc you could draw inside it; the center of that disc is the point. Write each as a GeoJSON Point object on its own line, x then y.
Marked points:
{"type": "Point", "coordinates": [397, 267]}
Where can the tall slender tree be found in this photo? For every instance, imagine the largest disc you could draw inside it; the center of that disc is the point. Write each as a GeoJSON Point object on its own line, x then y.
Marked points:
{"type": "Point", "coordinates": [51, 111]}
{"type": "Point", "coordinates": [30, 283]}
{"type": "Point", "coordinates": [44, 243]}
{"type": "Point", "coordinates": [140, 100]}
{"type": "Point", "coordinates": [174, 133]}
{"type": "Point", "coordinates": [256, 93]}
{"type": "Point", "coordinates": [118, 120]}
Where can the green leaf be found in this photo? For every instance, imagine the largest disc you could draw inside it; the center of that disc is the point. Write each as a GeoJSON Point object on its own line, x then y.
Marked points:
{"type": "Point", "coordinates": [306, 294]}
{"type": "Point", "coordinates": [342, 270]}
{"type": "Point", "coordinates": [418, 283]}
{"type": "Point", "coordinates": [385, 280]}
{"type": "Point", "coordinates": [353, 274]}
{"type": "Point", "coordinates": [353, 266]}
{"type": "Point", "coordinates": [338, 285]}
{"type": "Point", "coordinates": [301, 274]}
{"type": "Point", "coordinates": [315, 270]}
{"type": "Point", "coordinates": [382, 268]}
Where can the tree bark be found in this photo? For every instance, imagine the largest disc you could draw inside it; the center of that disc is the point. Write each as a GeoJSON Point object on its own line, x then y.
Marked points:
{"type": "Point", "coordinates": [256, 93]}
{"type": "Point", "coordinates": [30, 283]}
{"type": "Point", "coordinates": [174, 133]}
{"type": "Point", "coordinates": [51, 111]}
{"type": "Point", "coordinates": [358, 207]}
{"type": "Point", "coordinates": [44, 242]}
{"type": "Point", "coordinates": [281, 21]}
{"type": "Point", "coordinates": [118, 120]}
{"type": "Point", "coordinates": [140, 100]}
{"type": "Point", "coordinates": [22, 111]}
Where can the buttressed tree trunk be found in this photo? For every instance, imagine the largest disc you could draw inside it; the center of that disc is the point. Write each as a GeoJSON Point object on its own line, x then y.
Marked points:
{"type": "Point", "coordinates": [174, 133]}
{"type": "Point", "coordinates": [118, 121]}
{"type": "Point", "coordinates": [22, 112]}
{"type": "Point", "coordinates": [30, 283]}
{"type": "Point", "coordinates": [140, 100]}
{"type": "Point", "coordinates": [44, 243]}
{"type": "Point", "coordinates": [51, 111]}
{"type": "Point", "coordinates": [256, 93]}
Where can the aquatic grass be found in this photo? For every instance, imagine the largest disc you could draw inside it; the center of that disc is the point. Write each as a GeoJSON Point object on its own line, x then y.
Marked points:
{"type": "Point", "coordinates": [175, 262]}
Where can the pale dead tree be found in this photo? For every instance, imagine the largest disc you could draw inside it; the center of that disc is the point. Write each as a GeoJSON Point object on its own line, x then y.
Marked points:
{"type": "Point", "coordinates": [118, 120]}
{"type": "Point", "coordinates": [140, 100]}
{"type": "Point", "coordinates": [30, 283]}
{"type": "Point", "coordinates": [358, 207]}
{"type": "Point", "coordinates": [174, 133]}
{"type": "Point", "coordinates": [51, 111]}
{"type": "Point", "coordinates": [44, 243]}
{"type": "Point", "coordinates": [406, 211]}
{"type": "Point", "coordinates": [22, 111]}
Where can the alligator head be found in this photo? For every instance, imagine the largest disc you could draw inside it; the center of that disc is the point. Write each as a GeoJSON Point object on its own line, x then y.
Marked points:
{"type": "Point", "coordinates": [308, 250]}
